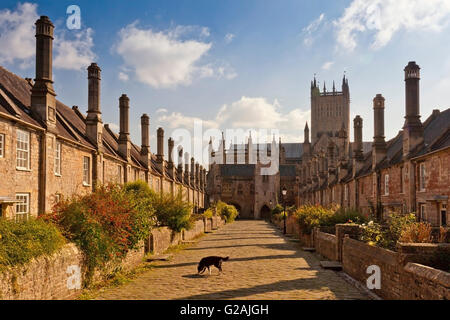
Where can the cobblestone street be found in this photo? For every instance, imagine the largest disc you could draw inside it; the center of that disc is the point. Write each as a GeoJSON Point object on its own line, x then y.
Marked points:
{"type": "Point", "coordinates": [262, 265]}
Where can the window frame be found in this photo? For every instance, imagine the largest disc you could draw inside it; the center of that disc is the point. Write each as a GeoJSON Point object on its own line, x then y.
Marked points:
{"type": "Point", "coordinates": [386, 184]}
{"type": "Point", "coordinates": [58, 153]}
{"type": "Point", "coordinates": [422, 212]}
{"type": "Point", "coordinates": [25, 213]}
{"type": "Point", "coordinates": [2, 145]}
{"type": "Point", "coordinates": [119, 173]}
{"type": "Point", "coordinates": [86, 171]}
{"type": "Point", "coordinates": [422, 176]}
{"type": "Point", "coordinates": [19, 134]}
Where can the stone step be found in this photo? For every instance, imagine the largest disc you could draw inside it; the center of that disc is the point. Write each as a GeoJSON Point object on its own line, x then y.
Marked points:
{"type": "Point", "coordinates": [159, 257]}
{"type": "Point", "coordinates": [333, 265]}
{"type": "Point", "coordinates": [308, 249]}
{"type": "Point", "coordinates": [294, 240]}
{"type": "Point", "coordinates": [188, 241]}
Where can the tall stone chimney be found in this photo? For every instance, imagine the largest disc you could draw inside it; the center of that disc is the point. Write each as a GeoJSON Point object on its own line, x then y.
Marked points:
{"type": "Point", "coordinates": [358, 156]}
{"type": "Point", "coordinates": [197, 174]}
{"type": "Point", "coordinates": [186, 168]}
{"type": "Point", "coordinates": [160, 149]}
{"type": "Point", "coordinates": [192, 172]}
{"type": "Point", "coordinates": [94, 127]}
{"type": "Point", "coordinates": [180, 164]}
{"type": "Point", "coordinates": [124, 133]}
{"type": "Point", "coordinates": [413, 127]}
{"type": "Point", "coordinates": [379, 144]}
{"type": "Point", "coordinates": [170, 164]}
{"type": "Point", "coordinates": [145, 137]}
{"type": "Point", "coordinates": [43, 101]}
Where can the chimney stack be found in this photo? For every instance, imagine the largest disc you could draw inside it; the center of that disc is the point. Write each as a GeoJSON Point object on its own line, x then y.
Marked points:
{"type": "Point", "coordinates": [180, 163]}
{"type": "Point", "coordinates": [94, 126]}
{"type": "Point", "coordinates": [170, 164]}
{"type": "Point", "coordinates": [192, 172]}
{"type": "Point", "coordinates": [197, 174]}
{"type": "Point", "coordinates": [186, 168]}
{"type": "Point", "coordinates": [170, 145]}
{"type": "Point", "coordinates": [379, 144]}
{"type": "Point", "coordinates": [43, 102]}
{"type": "Point", "coordinates": [124, 133]}
{"type": "Point", "coordinates": [160, 149]}
{"type": "Point", "coordinates": [145, 136]}
{"type": "Point", "coordinates": [413, 127]}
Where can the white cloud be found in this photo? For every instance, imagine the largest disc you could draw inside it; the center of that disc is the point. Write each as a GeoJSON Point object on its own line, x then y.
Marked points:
{"type": "Point", "coordinates": [161, 110]}
{"type": "Point", "coordinates": [309, 30]}
{"type": "Point", "coordinates": [162, 59]}
{"type": "Point", "coordinates": [18, 42]}
{"type": "Point", "coordinates": [250, 113]}
{"type": "Point", "coordinates": [17, 34]}
{"type": "Point", "coordinates": [327, 65]}
{"type": "Point", "coordinates": [245, 113]}
{"type": "Point", "coordinates": [229, 37]}
{"type": "Point", "coordinates": [177, 120]}
{"type": "Point", "coordinates": [123, 76]}
{"type": "Point", "coordinates": [384, 18]}
{"type": "Point", "coordinates": [74, 53]}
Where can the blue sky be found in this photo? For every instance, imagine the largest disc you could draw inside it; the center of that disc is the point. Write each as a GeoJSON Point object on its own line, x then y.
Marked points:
{"type": "Point", "coordinates": [238, 64]}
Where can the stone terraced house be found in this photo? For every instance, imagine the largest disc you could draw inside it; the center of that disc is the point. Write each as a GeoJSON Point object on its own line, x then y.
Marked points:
{"type": "Point", "coordinates": [409, 173]}
{"type": "Point", "coordinates": [49, 150]}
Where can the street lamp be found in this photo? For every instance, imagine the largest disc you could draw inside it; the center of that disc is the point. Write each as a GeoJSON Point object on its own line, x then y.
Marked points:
{"type": "Point", "coordinates": [284, 192]}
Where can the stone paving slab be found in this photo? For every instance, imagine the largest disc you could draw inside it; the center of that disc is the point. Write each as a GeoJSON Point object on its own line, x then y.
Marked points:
{"type": "Point", "coordinates": [262, 265]}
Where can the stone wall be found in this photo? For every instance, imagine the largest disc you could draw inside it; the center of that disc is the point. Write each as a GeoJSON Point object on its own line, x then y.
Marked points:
{"type": "Point", "coordinates": [161, 239]}
{"type": "Point", "coordinates": [292, 227]}
{"type": "Point", "coordinates": [42, 278]}
{"type": "Point", "coordinates": [197, 229]}
{"type": "Point", "coordinates": [400, 278]}
{"type": "Point", "coordinates": [424, 283]}
{"type": "Point", "coordinates": [325, 244]}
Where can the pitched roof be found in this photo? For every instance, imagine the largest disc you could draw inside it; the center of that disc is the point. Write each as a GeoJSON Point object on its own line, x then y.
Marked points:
{"type": "Point", "coordinates": [15, 100]}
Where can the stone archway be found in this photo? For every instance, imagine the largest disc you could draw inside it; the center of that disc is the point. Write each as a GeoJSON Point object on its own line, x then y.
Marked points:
{"type": "Point", "coordinates": [265, 212]}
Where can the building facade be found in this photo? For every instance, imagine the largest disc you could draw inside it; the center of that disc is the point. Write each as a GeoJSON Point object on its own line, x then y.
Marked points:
{"type": "Point", "coordinates": [49, 150]}
{"type": "Point", "coordinates": [408, 173]}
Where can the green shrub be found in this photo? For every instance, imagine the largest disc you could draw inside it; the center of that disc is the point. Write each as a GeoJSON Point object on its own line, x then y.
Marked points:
{"type": "Point", "coordinates": [347, 215]}
{"type": "Point", "coordinates": [309, 216]}
{"type": "Point", "coordinates": [226, 211]}
{"type": "Point", "coordinates": [229, 213]}
{"type": "Point", "coordinates": [22, 241]}
{"type": "Point", "coordinates": [173, 212]}
{"type": "Point", "coordinates": [208, 213]}
{"type": "Point", "coordinates": [143, 217]}
{"type": "Point", "coordinates": [277, 209]}
{"type": "Point", "coordinates": [105, 224]}
{"type": "Point", "coordinates": [387, 236]}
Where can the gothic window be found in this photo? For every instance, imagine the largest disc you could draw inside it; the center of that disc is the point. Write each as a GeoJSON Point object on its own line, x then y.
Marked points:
{"type": "Point", "coordinates": [23, 150]}
{"type": "Point", "coordinates": [265, 178]}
